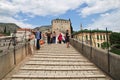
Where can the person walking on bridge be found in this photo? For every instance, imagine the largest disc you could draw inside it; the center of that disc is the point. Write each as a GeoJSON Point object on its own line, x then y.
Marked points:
{"type": "Point", "coordinates": [38, 37]}
{"type": "Point", "coordinates": [48, 37]}
{"type": "Point", "coordinates": [60, 38]}
{"type": "Point", "coordinates": [54, 37]}
{"type": "Point", "coordinates": [32, 41]}
{"type": "Point", "coordinates": [67, 38]}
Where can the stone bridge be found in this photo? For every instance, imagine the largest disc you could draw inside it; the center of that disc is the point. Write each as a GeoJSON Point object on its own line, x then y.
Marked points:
{"type": "Point", "coordinates": [56, 62]}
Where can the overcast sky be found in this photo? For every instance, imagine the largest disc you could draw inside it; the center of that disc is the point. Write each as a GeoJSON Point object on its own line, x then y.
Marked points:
{"type": "Point", "coordinates": [93, 14]}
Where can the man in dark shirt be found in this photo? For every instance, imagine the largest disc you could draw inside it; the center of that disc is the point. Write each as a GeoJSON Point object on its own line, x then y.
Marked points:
{"type": "Point", "coordinates": [67, 38]}
{"type": "Point", "coordinates": [38, 37]}
{"type": "Point", "coordinates": [48, 36]}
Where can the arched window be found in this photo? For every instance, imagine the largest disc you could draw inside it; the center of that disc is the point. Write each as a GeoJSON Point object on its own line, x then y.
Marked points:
{"type": "Point", "coordinates": [86, 37]}
{"type": "Point", "coordinates": [101, 37]}
{"type": "Point", "coordinates": [104, 37]}
{"type": "Point", "coordinates": [98, 44]}
{"type": "Point", "coordinates": [97, 37]}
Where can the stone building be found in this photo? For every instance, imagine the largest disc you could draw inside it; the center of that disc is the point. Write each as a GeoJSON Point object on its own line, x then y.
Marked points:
{"type": "Point", "coordinates": [61, 25]}
{"type": "Point", "coordinates": [22, 34]}
{"type": "Point", "coordinates": [94, 37]}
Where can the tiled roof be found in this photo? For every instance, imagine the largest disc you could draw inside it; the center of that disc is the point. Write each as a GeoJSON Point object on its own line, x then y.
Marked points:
{"type": "Point", "coordinates": [1, 35]}
{"type": "Point", "coordinates": [23, 29]}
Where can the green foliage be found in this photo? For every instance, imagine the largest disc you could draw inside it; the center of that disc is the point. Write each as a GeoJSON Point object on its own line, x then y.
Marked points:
{"type": "Point", "coordinates": [6, 27]}
{"type": "Point", "coordinates": [91, 31]}
{"type": "Point", "coordinates": [115, 42]}
{"type": "Point", "coordinates": [105, 45]}
{"type": "Point", "coordinates": [71, 29]}
{"type": "Point", "coordinates": [74, 32]}
{"type": "Point", "coordinates": [101, 31]}
{"type": "Point", "coordinates": [5, 31]}
{"type": "Point", "coordinates": [6, 34]}
{"type": "Point", "coordinates": [116, 51]}
{"type": "Point", "coordinates": [115, 38]}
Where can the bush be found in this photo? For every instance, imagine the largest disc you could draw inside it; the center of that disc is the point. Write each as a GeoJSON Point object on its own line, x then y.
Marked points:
{"type": "Point", "coordinates": [115, 38]}
{"type": "Point", "coordinates": [116, 51]}
{"type": "Point", "coordinates": [105, 45]}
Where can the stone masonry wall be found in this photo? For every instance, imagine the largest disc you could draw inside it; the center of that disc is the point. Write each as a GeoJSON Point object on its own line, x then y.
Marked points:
{"type": "Point", "coordinates": [100, 58]}
{"type": "Point", "coordinates": [8, 60]}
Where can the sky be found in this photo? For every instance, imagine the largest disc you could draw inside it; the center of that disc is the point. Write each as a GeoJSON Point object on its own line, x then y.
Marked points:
{"type": "Point", "coordinates": [92, 14]}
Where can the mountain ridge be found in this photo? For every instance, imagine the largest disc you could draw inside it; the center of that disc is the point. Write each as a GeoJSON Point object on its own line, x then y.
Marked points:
{"type": "Point", "coordinates": [8, 27]}
{"type": "Point", "coordinates": [43, 28]}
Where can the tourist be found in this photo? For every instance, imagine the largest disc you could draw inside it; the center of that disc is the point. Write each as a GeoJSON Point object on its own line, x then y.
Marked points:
{"type": "Point", "coordinates": [63, 38]}
{"type": "Point", "coordinates": [60, 38]}
{"type": "Point", "coordinates": [51, 37]}
{"type": "Point", "coordinates": [44, 37]}
{"type": "Point", "coordinates": [48, 37]}
{"type": "Point", "coordinates": [38, 37]}
{"type": "Point", "coordinates": [67, 38]}
{"type": "Point", "coordinates": [54, 37]}
{"type": "Point", "coordinates": [32, 42]}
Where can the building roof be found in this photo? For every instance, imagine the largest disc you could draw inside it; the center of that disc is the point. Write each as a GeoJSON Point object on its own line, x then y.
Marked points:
{"type": "Point", "coordinates": [1, 35]}
{"type": "Point", "coordinates": [23, 29]}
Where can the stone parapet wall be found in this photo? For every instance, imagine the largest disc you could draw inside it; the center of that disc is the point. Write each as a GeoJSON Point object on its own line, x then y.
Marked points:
{"type": "Point", "coordinates": [11, 58]}
{"type": "Point", "coordinates": [109, 64]}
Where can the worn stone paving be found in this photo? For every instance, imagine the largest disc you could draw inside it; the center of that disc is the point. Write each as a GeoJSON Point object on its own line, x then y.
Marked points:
{"type": "Point", "coordinates": [56, 62]}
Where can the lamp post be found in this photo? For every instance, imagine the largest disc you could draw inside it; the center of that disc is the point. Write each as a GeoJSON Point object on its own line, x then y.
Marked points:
{"type": "Point", "coordinates": [14, 44]}
{"type": "Point", "coordinates": [90, 43]}
{"type": "Point", "coordinates": [108, 50]}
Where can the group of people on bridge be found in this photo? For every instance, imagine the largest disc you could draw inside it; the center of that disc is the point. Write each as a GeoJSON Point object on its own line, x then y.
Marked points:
{"type": "Point", "coordinates": [38, 38]}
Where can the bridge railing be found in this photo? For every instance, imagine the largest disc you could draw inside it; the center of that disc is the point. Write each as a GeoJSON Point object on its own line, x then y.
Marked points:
{"type": "Point", "coordinates": [11, 53]}
{"type": "Point", "coordinates": [108, 63]}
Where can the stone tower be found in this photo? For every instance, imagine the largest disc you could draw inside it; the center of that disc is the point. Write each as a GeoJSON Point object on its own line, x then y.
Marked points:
{"type": "Point", "coordinates": [61, 25]}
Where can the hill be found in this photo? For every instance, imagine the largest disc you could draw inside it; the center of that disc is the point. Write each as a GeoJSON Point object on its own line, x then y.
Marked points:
{"type": "Point", "coordinates": [8, 27]}
{"type": "Point", "coordinates": [43, 28]}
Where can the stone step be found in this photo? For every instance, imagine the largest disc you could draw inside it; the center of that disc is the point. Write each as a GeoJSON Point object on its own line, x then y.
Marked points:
{"type": "Point", "coordinates": [58, 60]}
{"type": "Point", "coordinates": [58, 76]}
{"type": "Point", "coordinates": [60, 64]}
{"type": "Point", "coordinates": [61, 59]}
{"type": "Point", "coordinates": [62, 52]}
{"type": "Point", "coordinates": [57, 57]}
{"type": "Point", "coordinates": [60, 79]}
{"type": "Point", "coordinates": [57, 49]}
{"type": "Point", "coordinates": [59, 69]}
{"type": "Point", "coordinates": [54, 54]}
{"type": "Point", "coordinates": [58, 73]}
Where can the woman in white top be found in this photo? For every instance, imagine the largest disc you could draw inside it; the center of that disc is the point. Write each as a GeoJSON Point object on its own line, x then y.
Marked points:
{"type": "Point", "coordinates": [32, 42]}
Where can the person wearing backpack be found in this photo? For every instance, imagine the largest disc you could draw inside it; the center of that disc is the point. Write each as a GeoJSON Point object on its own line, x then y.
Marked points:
{"type": "Point", "coordinates": [38, 37]}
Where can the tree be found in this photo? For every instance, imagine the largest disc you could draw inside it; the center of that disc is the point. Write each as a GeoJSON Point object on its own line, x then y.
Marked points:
{"type": "Point", "coordinates": [105, 45]}
{"type": "Point", "coordinates": [71, 28]}
{"type": "Point", "coordinates": [8, 32]}
{"type": "Point", "coordinates": [115, 38]}
{"type": "Point", "coordinates": [5, 31]}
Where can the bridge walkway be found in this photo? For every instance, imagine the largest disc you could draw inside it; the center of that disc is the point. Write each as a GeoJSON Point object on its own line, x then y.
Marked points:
{"type": "Point", "coordinates": [56, 62]}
